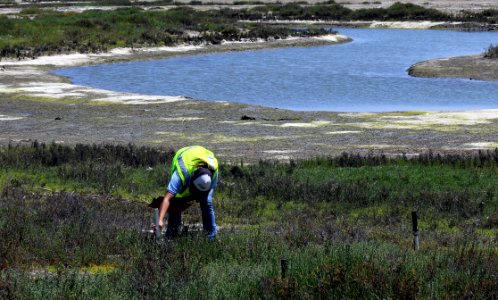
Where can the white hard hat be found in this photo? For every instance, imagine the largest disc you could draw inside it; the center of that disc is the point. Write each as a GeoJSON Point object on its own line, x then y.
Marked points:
{"type": "Point", "coordinates": [201, 180]}
{"type": "Point", "coordinates": [203, 183]}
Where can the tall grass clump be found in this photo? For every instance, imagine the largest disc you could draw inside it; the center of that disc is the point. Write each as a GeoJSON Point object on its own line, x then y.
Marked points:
{"type": "Point", "coordinates": [491, 52]}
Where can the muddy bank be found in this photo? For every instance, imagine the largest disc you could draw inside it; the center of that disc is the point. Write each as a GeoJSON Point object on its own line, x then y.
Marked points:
{"type": "Point", "coordinates": [424, 24]}
{"type": "Point", "coordinates": [35, 105]}
{"type": "Point", "coordinates": [471, 67]}
{"type": "Point", "coordinates": [131, 54]}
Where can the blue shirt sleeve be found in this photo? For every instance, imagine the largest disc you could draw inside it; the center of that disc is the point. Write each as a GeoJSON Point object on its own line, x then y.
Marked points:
{"type": "Point", "coordinates": [175, 184]}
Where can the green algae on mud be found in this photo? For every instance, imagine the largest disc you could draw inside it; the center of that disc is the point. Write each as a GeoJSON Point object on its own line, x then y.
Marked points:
{"type": "Point", "coordinates": [220, 127]}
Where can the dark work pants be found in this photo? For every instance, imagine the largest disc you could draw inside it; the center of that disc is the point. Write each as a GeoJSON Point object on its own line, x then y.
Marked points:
{"type": "Point", "coordinates": [178, 205]}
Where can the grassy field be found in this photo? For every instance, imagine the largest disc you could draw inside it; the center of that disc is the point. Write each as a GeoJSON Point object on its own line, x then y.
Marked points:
{"type": "Point", "coordinates": [71, 220]}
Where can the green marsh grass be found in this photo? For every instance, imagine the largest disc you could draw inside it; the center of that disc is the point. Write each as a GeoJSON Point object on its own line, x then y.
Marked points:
{"type": "Point", "coordinates": [70, 227]}
{"type": "Point", "coordinates": [37, 30]}
{"type": "Point", "coordinates": [40, 31]}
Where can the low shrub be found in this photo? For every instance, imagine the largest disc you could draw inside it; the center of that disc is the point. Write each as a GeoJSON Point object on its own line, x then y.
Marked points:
{"type": "Point", "coordinates": [492, 52]}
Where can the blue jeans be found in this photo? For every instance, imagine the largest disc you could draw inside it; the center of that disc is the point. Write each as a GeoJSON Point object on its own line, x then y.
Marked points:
{"type": "Point", "coordinates": [178, 205]}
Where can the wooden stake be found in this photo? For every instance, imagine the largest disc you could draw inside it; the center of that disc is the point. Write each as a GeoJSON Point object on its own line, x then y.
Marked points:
{"type": "Point", "coordinates": [156, 222]}
{"type": "Point", "coordinates": [415, 230]}
{"type": "Point", "coordinates": [284, 266]}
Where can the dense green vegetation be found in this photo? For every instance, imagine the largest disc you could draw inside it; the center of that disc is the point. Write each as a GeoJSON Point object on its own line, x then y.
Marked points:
{"type": "Point", "coordinates": [41, 31]}
{"type": "Point", "coordinates": [71, 220]}
{"type": "Point", "coordinates": [334, 11]}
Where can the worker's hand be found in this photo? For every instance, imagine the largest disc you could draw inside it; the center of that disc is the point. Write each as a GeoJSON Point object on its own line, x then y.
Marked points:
{"type": "Point", "coordinates": [155, 227]}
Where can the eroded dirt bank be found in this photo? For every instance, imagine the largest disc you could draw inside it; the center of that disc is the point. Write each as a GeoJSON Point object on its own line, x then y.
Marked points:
{"type": "Point", "coordinates": [35, 105]}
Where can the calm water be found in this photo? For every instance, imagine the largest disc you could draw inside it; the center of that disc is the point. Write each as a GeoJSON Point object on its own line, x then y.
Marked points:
{"type": "Point", "coordinates": [368, 74]}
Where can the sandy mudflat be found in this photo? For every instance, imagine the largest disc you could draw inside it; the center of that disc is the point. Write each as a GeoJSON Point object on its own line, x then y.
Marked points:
{"type": "Point", "coordinates": [35, 105]}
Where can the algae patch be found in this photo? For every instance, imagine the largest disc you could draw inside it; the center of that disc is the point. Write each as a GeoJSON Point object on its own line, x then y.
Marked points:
{"type": "Point", "coordinates": [9, 118]}
{"type": "Point", "coordinates": [313, 124]}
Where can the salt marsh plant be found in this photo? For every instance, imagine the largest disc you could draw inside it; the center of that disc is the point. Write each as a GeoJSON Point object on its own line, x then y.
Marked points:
{"type": "Point", "coordinates": [343, 223]}
{"type": "Point", "coordinates": [492, 52]}
{"type": "Point", "coordinates": [39, 31]}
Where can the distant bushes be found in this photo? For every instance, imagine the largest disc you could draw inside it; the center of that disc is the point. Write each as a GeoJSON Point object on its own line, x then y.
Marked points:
{"type": "Point", "coordinates": [333, 11]}
{"type": "Point", "coordinates": [131, 155]}
{"type": "Point", "coordinates": [488, 16]}
{"type": "Point", "coordinates": [479, 159]}
{"type": "Point", "coordinates": [401, 12]}
{"type": "Point", "coordinates": [294, 11]}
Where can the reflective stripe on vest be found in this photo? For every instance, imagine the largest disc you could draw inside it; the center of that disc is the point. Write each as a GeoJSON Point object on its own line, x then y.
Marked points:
{"type": "Point", "coordinates": [183, 168]}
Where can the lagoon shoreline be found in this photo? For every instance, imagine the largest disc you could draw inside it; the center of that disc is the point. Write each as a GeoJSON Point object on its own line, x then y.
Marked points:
{"type": "Point", "coordinates": [36, 105]}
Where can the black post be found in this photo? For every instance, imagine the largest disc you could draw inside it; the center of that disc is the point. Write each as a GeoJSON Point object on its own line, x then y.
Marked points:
{"type": "Point", "coordinates": [284, 266]}
{"type": "Point", "coordinates": [415, 230]}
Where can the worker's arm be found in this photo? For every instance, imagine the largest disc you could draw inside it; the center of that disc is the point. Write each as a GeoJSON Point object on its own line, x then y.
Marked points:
{"type": "Point", "coordinates": [174, 187]}
{"type": "Point", "coordinates": [163, 209]}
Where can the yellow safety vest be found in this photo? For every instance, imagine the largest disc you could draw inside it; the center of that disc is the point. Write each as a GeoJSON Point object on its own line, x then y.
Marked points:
{"type": "Point", "coordinates": [189, 159]}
